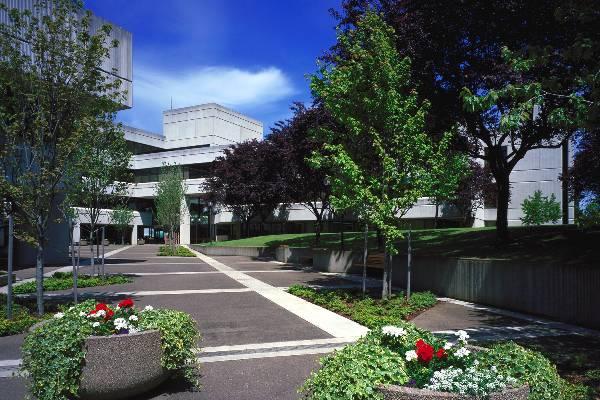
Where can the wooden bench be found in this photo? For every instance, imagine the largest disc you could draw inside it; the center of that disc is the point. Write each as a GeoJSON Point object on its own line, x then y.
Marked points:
{"type": "Point", "coordinates": [373, 261]}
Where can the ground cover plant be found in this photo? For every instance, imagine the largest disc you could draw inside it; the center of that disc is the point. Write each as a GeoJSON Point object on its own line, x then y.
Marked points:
{"type": "Point", "coordinates": [21, 319]}
{"type": "Point", "coordinates": [364, 309]}
{"type": "Point", "coordinates": [408, 356]}
{"type": "Point", "coordinates": [178, 251]}
{"type": "Point", "coordinates": [64, 280]}
{"type": "Point", "coordinates": [54, 353]}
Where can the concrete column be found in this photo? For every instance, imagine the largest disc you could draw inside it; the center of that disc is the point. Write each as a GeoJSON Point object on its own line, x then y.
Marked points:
{"type": "Point", "coordinates": [134, 236]}
{"type": "Point", "coordinates": [185, 228]}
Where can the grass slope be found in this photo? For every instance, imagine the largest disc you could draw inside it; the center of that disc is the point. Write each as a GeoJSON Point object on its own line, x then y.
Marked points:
{"type": "Point", "coordinates": [567, 244]}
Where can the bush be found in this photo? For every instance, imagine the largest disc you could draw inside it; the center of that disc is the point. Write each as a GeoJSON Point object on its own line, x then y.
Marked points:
{"type": "Point", "coordinates": [20, 322]}
{"type": "Point", "coordinates": [538, 209]}
{"type": "Point", "coordinates": [354, 372]}
{"type": "Point", "coordinates": [179, 251]}
{"type": "Point", "coordinates": [590, 215]}
{"type": "Point", "coordinates": [365, 310]}
{"type": "Point", "coordinates": [531, 367]}
{"type": "Point", "coordinates": [64, 280]}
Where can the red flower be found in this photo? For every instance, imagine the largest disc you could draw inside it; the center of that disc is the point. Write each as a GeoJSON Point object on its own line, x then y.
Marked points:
{"type": "Point", "coordinates": [108, 313]}
{"type": "Point", "coordinates": [441, 353]}
{"type": "Point", "coordinates": [424, 351]}
{"type": "Point", "coordinates": [127, 303]}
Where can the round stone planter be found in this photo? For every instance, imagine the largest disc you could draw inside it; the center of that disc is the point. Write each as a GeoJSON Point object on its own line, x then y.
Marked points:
{"type": "Point", "coordinates": [393, 392]}
{"type": "Point", "coordinates": [121, 366]}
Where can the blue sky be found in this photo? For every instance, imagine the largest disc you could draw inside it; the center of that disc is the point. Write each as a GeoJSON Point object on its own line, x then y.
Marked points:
{"type": "Point", "coordinates": [249, 55]}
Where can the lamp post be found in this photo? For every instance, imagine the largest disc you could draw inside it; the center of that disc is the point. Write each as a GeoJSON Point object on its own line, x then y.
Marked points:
{"type": "Point", "coordinates": [210, 224]}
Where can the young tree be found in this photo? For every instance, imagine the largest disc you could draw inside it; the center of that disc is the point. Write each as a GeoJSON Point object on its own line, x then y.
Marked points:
{"type": "Point", "coordinates": [462, 47]}
{"type": "Point", "coordinates": [584, 175]}
{"type": "Point", "coordinates": [52, 85]}
{"type": "Point", "coordinates": [382, 158]}
{"type": "Point", "coordinates": [98, 175]}
{"type": "Point", "coordinates": [121, 217]}
{"type": "Point", "coordinates": [294, 140]}
{"type": "Point", "coordinates": [170, 195]}
{"type": "Point", "coordinates": [538, 209]}
{"type": "Point", "coordinates": [249, 180]}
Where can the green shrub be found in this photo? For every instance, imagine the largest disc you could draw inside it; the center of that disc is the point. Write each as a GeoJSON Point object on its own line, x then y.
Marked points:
{"type": "Point", "coordinates": [365, 310]}
{"type": "Point", "coordinates": [354, 372]}
{"type": "Point", "coordinates": [531, 367]}
{"type": "Point", "coordinates": [589, 216]}
{"type": "Point", "coordinates": [538, 209]}
{"type": "Point", "coordinates": [180, 251]}
{"type": "Point", "coordinates": [64, 280]}
{"type": "Point", "coordinates": [20, 322]}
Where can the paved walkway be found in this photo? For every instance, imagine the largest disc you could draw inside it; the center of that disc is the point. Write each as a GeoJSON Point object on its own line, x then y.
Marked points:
{"type": "Point", "coordinates": [259, 342]}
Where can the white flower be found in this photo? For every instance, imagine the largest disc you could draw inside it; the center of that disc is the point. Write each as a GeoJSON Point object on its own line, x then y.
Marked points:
{"type": "Point", "coordinates": [462, 352]}
{"type": "Point", "coordinates": [82, 314]}
{"type": "Point", "coordinates": [133, 318]}
{"type": "Point", "coordinates": [393, 331]}
{"type": "Point", "coordinates": [100, 313]}
{"type": "Point", "coordinates": [92, 315]}
{"type": "Point", "coordinates": [120, 323]}
{"type": "Point", "coordinates": [96, 324]}
{"type": "Point", "coordinates": [71, 308]}
{"type": "Point", "coordinates": [411, 355]}
{"type": "Point", "coordinates": [448, 345]}
{"type": "Point", "coordinates": [462, 335]}
{"type": "Point", "coordinates": [133, 330]}
{"type": "Point", "coordinates": [148, 308]}
{"type": "Point", "coordinates": [59, 315]}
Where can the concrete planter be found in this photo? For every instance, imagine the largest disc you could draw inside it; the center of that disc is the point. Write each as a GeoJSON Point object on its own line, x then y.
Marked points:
{"type": "Point", "coordinates": [4, 278]}
{"type": "Point", "coordinates": [121, 366]}
{"type": "Point", "coordinates": [393, 392]}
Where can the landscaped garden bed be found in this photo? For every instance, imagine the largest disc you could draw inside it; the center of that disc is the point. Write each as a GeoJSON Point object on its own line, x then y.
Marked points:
{"type": "Point", "coordinates": [64, 280]}
{"type": "Point", "coordinates": [22, 318]}
{"type": "Point", "coordinates": [405, 362]}
{"type": "Point", "coordinates": [177, 251]}
{"type": "Point", "coordinates": [364, 309]}
{"type": "Point", "coordinates": [97, 351]}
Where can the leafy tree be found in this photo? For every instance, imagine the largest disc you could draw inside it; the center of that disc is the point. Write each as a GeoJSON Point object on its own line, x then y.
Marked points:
{"type": "Point", "coordinates": [506, 102]}
{"type": "Point", "coordinates": [170, 195]}
{"type": "Point", "coordinates": [382, 159]}
{"type": "Point", "coordinates": [249, 180]}
{"type": "Point", "coordinates": [584, 175]}
{"type": "Point", "coordinates": [538, 209]}
{"type": "Point", "coordinates": [52, 89]}
{"type": "Point", "coordinates": [589, 215]}
{"type": "Point", "coordinates": [97, 176]}
{"type": "Point", "coordinates": [294, 140]}
{"type": "Point", "coordinates": [121, 217]}
{"type": "Point", "coordinates": [474, 189]}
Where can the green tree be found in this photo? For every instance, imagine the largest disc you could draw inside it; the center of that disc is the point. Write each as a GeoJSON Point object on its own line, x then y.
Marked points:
{"type": "Point", "coordinates": [170, 195]}
{"type": "Point", "coordinates": [538, 209]}
{"type": "Point", "coordinates": [52, 86]}
{"type": "Point", "coordinates": [382, 156]}
{"type": "Point", "coordinates": [121, 217]}
{"type": "Point", "coordinates": [98, 174]}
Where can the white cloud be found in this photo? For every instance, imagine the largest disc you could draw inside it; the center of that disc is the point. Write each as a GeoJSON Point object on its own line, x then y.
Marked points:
{"type": "Point", "coordinates": [228, 86]}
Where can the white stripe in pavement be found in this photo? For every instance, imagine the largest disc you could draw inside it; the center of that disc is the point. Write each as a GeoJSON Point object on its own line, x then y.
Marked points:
{"type": "Point", "coordinates": [193, 272]}
{"type": "Point", "coordinates": [151, 292]}
{"type": "Point", "coordinates": [270, 354]}
{"type": "Point", "coordinates": [328, 321]}
{"type": "Point", "coordinates": [274, 345]}
{"type": "Point", "coordinates": [9, 363]}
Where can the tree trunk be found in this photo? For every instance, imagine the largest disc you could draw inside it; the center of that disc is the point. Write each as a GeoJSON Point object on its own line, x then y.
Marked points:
{"type": "Point", "coordinates": [437, 213]}
{"type": "Point", "coordinates": [503, 185]}
{"type": "Point", "coordinates": [318, 231]}
{"type": "Point", "coordinates": [92, 257]}
{"type": "Point", "coordinates": [39, 274]}
{"type": "Point", "coordinates": [385, 292]}
{"type": "Point", "coordinates": [123, 237]}
{"type": "Point", "coordinates": [365, 255]}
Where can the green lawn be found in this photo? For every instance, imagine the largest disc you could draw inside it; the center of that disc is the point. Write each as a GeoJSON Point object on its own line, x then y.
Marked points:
{"type": "Point", "coordinates": [562, 243]}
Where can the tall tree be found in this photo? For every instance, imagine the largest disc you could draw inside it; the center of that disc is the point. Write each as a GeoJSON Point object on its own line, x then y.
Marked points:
{"type": "Point", "coordinates": [474, 190]}
{"type": "Point", "coordinates": [121, 217]}
{"type": "Point", "coordinates": [584, 175]}
{"type": "Point", "coordinates": [555, 49]}
{"type": "Point", "coordinates": [382, 158]}
{"type": "Point", "coordinates": [52, 85]}
{"type": "Point", "coordinates": [295, 141]}
{"type": "Point", "coordinates": [169, 198]}
{"type": "Point", "coordinates": [98, 175]}
{"type": "Point", "coordinates": [249, 180]}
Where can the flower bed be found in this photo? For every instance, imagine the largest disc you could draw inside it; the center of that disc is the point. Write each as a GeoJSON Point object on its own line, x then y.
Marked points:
{"type": "Point", "coordinates": [64, 280]}
{"type": "Point", "coordinates": [96, 351]}
{"type": "Point", "coordinates": [404, 362]}
{"type": "Point", "coordinates": [179, 251]}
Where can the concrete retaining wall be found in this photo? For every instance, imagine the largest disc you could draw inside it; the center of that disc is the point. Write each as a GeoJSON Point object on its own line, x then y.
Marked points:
{"type": "Point", "coordinates": [339, 261]}
{"type": "Point", "coordinates": [566, 293]}
{"type": "Point", "coordinates": [236, 251]}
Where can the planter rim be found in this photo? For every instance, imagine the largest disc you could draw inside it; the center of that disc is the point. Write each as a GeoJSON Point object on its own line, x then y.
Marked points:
{"type": "Point", "coordinates": [427, 392]}
{"type": "Point", "coordinates": [102, 337]}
